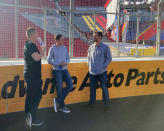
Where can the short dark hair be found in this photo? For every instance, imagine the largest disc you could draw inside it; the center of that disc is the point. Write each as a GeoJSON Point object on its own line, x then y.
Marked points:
{"type": "Point", "coordinates": [29, 31]}
{"type": "Point", "coordinates": [58, 36]}
{"type": "Point", "coordinates": [99, 33]}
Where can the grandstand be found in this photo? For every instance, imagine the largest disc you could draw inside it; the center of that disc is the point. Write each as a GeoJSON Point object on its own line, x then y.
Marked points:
{"type": "Point", "coordinates": [31, 13]}
{"type": "Point", "coordinates": [146, 11]}
{"type": "Point", "coordinates": [55, 24]}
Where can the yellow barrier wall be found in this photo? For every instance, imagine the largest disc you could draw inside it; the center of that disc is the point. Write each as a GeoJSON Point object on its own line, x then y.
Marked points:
{"type": "Point", "coordinates": [143, 52]}
{"type": "Point", "coordinates": [129, 78]}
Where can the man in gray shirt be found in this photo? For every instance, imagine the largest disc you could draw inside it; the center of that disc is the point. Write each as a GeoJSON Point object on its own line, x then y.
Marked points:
{"type": "Point", "coordinates": [99, 57]}
{"type": "Point", "coordinates": [59, 58]}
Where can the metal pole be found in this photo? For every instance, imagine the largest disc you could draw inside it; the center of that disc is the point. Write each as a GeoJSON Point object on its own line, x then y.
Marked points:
{"type": "Point", "coordinates": [143, 47]}
{"type": "Point", "coordinates": [158, 38]}
{"type": "Point", "coordinates": [71, 31]}
{"type": "Point", "coordinates": [118, 28]}
{"type": "Point", "coordinates": [16, 29]}
{"type": "Point", "coordinates": [94, 22]}
{"type": "Point", "coordinates": [45, 30]}
{"type": "Point", "coordinates": [137, 34]}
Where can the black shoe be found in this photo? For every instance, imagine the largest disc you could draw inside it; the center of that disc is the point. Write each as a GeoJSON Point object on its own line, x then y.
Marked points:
{"type": "Point", "coordinates": [64, 109]}
{"type": "Point", "coordinates": [37, 123]}
{"type": "Point", "coordinates": [28, 122]}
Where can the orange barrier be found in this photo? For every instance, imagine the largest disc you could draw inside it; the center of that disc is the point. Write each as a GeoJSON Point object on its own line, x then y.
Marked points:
{"type": "Point", "coordinates": [125, 78]}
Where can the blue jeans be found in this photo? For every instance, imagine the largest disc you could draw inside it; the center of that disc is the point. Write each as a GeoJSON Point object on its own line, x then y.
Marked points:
{"type": "Point", "coordinates": [60, 76]}
{"type": "Point", "coordinates": [94, 79]}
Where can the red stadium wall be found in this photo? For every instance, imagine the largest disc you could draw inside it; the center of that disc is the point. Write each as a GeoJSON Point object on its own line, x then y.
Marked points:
{"type": "Point", "coordinates": [7, 26]}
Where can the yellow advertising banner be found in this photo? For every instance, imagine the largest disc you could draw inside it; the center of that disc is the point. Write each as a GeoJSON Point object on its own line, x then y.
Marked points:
{"type": "Point", "coordinates": [125, 78]}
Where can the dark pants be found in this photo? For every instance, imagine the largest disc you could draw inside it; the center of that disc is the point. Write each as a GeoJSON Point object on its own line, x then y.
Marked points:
{"type": "Point", "coordinates": [94, 79]}
{"type": "Point", "coordinates": [60, 76]}
{"type": "Point", "coordinates": [33, 96]}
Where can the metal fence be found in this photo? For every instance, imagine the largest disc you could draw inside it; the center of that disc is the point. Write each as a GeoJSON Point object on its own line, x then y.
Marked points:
{"type": "Point", "coordinates": [131, 34]}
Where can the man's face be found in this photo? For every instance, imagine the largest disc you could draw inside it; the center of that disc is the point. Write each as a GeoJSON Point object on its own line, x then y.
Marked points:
{"type": "Point", "coordinates": [61, 41]}
{"type": "Point", "coordinates": [95, 37]}
{"type": "Point", "coordinates": [34, 36]}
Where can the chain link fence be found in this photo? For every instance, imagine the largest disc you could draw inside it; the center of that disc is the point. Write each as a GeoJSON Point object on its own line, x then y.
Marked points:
{"type": "Point", "coordinates": [128, 33]}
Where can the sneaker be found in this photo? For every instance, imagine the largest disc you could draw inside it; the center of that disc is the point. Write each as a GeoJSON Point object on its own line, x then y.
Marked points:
{"type": "Point", "coordinates": [28, 122]}
{"type": "Point", "coordinates": [37, 123]}
{"type": "Point", "coordinates": [64, 109]}
{"type": "Point", "coordinates": [56, 105]}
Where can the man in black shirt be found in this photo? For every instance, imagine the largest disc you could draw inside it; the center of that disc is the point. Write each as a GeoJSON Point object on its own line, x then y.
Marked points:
{"type": "Point", "coordinates": [32, 76]}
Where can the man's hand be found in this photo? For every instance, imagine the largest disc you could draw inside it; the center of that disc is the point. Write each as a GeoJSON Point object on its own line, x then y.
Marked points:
{"type": "Point", "coordinates": [43, 49]}
{"type": "Point", "coordinates": [63, 64]}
